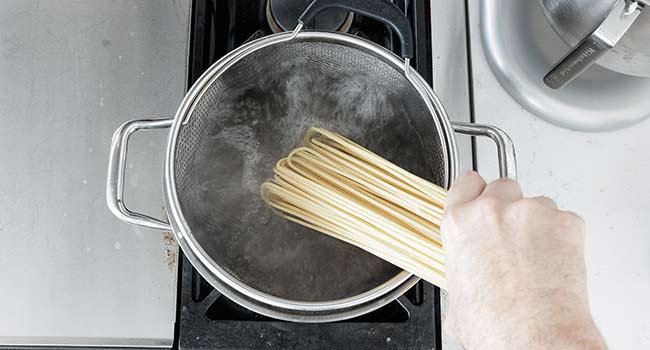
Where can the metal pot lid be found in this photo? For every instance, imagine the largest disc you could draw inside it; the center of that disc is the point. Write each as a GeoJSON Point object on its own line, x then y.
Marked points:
{"type": "Point", "coordinates": [520, 46]}
{"type": "Point", "coordinates": [573, 20]}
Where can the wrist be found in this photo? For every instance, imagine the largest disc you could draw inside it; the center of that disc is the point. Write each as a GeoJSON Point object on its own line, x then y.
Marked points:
{"type": "Point", "coordinates": [565, 329]}
{"type": "Point", "coordinates": [578, 334]}
{"type": "Point", "coordinates": [566, 332]}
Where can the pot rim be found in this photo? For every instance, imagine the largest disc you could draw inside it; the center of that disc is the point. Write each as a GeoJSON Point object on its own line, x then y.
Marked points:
{"type": "Point", "coordinates": [263, 303]}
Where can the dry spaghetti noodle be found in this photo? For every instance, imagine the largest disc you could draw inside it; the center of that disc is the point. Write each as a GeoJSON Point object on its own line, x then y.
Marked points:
{"type": "Point", "coordinates": [339, 188]}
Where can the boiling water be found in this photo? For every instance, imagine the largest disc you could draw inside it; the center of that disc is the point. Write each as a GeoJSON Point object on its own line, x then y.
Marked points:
{"type": "Point", "coordinates": [268, 107]}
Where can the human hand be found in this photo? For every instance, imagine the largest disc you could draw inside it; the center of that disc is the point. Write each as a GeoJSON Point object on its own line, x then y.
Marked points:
{"type": "Point", "coordinates": [515, 270]}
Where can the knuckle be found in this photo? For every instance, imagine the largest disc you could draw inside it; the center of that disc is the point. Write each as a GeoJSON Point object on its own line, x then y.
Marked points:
{"type": "Point", "coordinates": [571, 228]}
{"type": "Point", "coordinates": [544, 200]}
{"type": "Point", "coordinates": [489, 210]}
{"type": "Point", "coordinates": [528, 211]}
{"type": "Point", "coordinates": [472, 174]}
{"type": "Point", "coordinates": [526, 204]}
{"type": "Point", "coordinates": [505, 181]}
{"type": "Point", "coordinates": [526, 207]}
{"type": "Point", "coordinates": [571, 218]}
{"type": "Point", "coordinates": [489, 204]}
{"type": "Point", "coordinates": [572, 222]}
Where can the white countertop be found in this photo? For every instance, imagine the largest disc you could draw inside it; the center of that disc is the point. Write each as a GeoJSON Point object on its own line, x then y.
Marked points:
{"type": "Point", "coordinates": [604, 177]}
{"type": "Point", "coordinates": [71, 73]}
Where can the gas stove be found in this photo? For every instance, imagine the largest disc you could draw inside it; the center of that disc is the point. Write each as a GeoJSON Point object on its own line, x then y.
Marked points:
{"type": "Point", "coordinates": [208, 320]}
{"type": "Point", "coordinates": [76, 277]}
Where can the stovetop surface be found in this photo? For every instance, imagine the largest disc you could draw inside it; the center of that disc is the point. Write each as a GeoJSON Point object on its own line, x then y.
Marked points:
{"type": "Point", "coordinates": [208, 320]}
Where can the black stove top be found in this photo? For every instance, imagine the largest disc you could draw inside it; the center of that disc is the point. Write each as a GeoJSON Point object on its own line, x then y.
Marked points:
{"type": "Point", "coordinates": [208, 320]}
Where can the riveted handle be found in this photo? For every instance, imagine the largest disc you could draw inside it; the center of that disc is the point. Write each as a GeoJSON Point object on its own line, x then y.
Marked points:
{"type": "Point", "coordinates": [116, 169]}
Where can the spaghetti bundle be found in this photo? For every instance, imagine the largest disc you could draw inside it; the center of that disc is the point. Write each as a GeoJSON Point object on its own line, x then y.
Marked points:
{"type": "Point", "coordinates": [339, 188]}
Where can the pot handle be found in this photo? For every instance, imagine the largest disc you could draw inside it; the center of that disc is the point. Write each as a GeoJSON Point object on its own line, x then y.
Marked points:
{"type": "Point", "coordinates": [116, 167]}
{"type": "Point", "coordinates": [505, 146]}
{"type": "Point", "coordinates": [381, 10]}
{"type": "Point", "coordinates": [595, 45]}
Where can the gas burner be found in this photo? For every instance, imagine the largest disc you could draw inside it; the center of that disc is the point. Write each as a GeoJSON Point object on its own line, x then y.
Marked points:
{"type": "Point", "coordinates": [282, 15]}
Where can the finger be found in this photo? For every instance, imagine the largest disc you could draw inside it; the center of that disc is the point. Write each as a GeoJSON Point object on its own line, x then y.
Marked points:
{"type": "Point", "coordinates": [466, 188]}
{"type": "Point", "coordinates": [504, 189]}
{"type": "Point", "coordinates": [545, 201]}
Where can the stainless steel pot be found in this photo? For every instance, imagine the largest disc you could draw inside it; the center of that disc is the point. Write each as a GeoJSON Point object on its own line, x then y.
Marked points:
{"type": "Point", "coordinates": [614, 33]}
{"type": "Point", "coordinates": [248, 110]}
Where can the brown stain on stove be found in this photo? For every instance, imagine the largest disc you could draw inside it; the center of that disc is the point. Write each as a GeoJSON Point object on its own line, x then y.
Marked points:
{"type": "Point", "coordinates": [170, 254]}
{"type": "Point", "coordinates": [171, 250]}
